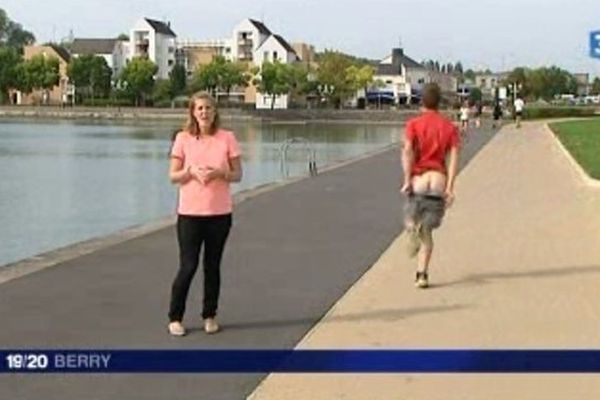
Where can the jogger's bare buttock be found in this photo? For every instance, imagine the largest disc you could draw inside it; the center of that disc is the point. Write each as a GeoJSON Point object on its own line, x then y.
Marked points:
{"type": "Point", "coordinates": [431, 183]}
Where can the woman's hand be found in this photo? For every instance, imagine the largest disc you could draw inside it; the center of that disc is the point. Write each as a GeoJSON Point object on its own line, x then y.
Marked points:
{"type": "Point", "coordinates": [196, 172]}
{"type": "Point", "coordinates": [208, 174]}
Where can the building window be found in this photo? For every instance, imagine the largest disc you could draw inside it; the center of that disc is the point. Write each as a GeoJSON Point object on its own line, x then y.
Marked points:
{"type": "Point", "coordinates": [274, 55]}
{"type": "Point", "coordinates": [421, 81]}
{"type": "Point", "coordinates": [170, 62]}
{"type": "Point", "coordinates": [266, 56]}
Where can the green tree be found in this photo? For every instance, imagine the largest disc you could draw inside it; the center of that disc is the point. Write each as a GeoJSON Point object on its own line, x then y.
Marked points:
{"type": "Point", "coordinates": [470, 75]}
{"type": "Point", "coordinates": [163, 91]}
{"type": "Point", "coordinates": [220, 74]}
{"type": "Point", "coordinates": [275, 79]}
{"type": "Point", "coordinates": [547, 82]}
{"type": "Point", "coordinates": [9, 60]}
{"type": "Point", "coordinates": [178, 78]}
{"type": "Point", "coordinates": [332, 75]}
{"type": "Point", "coordinates": [12, 33]}
{"type": "Point", "coordinates": [38, 73]}
{"type": "Point", "coordinates": [233, 75]}
{"type": "Point", "coordinates": [138, 77]}
{"type": "Point", "coordinates": [206, 77]}
{"type": "Point", "coordinates": [360, 77]}
{"type": "Point", "coordinates": [475, 95]}
{"type": "Point", "coordinates": [519, 77]}
{"type": "Point", "coordinates": [91, 76]}
{"type": "Point", "coordinates": [458, 68]}
{"type": "Point", "coordinates": [595, 86]}
{"type": "Point", "coordinates": [22, 82]}
{"type": "Point", "coordinates": [301, 79]}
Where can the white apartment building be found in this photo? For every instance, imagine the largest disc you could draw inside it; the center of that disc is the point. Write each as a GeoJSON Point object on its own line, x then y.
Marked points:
{"type": "Point", "coordinates": [273, 49]}
{"type": "Point", "coordinates": [156, 41]}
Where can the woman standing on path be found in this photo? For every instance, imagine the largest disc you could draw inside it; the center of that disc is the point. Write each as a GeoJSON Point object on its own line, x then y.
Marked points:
{"type": "Point", "coordinates": [204, 160]}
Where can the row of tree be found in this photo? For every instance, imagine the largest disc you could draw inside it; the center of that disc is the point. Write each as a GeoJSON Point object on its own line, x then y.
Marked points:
{"type": "Point", "coordinates": [446, 68]}
{"type": "Point", "coordinates": [545, 82]}
{"type": "Point", "coordinates": [337, 78]}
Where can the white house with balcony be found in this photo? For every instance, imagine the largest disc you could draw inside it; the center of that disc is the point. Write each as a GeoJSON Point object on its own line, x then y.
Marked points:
{"type": "Point", "coordinates": [274, 49]}
{"type": "Point", "coordinates": [154, 40]}
{"type": "Point", "coordinates": [114, 51]}
{"type": "Point", "coordinates": [248, 36]}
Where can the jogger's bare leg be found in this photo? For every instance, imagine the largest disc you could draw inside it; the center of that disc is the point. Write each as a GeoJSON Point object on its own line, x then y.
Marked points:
{"type": "Point", "coordinates": [424, 256]}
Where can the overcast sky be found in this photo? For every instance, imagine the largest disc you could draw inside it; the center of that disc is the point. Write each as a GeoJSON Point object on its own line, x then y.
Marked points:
{"type": "Point", "coordinates": [499, 34]}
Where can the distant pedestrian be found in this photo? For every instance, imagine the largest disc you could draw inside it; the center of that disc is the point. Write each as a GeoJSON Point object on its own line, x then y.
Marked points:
{"type": "Point", "coordinates": [478, 112]}
{"type": "Point", "coordinates": [519, 105]}
{"type": "Point", "coordinates": [204, 160]}
{"type": "Point", "coordinates": [497, 114]}
{"type": "Point", "coordinates": [464, 116]}
{"type": "Point", "coordinates": [464, 113]}
{"type": "Point", "coordinates": [431, 140]}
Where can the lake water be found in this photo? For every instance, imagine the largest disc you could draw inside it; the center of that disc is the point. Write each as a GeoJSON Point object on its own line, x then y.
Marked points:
{"type": "Point", "coordinates": [65, 181]}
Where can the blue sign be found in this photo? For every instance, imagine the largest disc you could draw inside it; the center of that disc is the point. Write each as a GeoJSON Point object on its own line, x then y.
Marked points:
{"type": "Point", "coordinates": [595, 44]}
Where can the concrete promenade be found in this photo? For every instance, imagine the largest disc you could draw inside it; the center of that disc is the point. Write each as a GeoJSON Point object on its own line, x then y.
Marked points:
{"type": "Point", "coordinates": [517, 265]}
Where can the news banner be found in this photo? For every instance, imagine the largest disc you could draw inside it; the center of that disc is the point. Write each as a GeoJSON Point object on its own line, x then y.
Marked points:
{"type": "Point", "coordinates": [299, 361]}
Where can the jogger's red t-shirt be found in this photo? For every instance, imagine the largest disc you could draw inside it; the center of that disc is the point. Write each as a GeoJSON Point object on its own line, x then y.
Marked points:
{"type": "Point", "coordinates": [432, 136]}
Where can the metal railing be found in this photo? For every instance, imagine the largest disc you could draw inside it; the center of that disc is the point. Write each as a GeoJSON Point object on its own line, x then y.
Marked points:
{"type": "Point", "coordinates": [306, 145]}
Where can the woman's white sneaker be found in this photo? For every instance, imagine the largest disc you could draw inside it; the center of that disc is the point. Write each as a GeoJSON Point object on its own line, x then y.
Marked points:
{"type": "Point", "coordinates": [176, 329]}
{"type": "Point", "coordinates": [211, 326]}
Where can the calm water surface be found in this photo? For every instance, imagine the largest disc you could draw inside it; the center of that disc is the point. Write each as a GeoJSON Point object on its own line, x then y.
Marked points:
{"type": "Point", "coordinates": [62, 182]}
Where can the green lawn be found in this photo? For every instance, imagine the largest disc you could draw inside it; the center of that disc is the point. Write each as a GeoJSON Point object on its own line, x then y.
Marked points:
{"type": "Point", "coordinates": [582, 139]}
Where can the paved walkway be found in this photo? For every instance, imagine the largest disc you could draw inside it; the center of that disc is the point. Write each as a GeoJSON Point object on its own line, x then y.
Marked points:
{"type": "Point", "coordinates": [517, 266]}
{"type": "Point", "coordinates": [292, 254]}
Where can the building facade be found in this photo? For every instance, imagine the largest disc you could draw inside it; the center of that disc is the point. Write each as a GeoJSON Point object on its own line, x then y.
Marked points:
{"type": "Point", "coordinates": [274, 49]}
{"type": "Point", "coordinates": [155, 41]}
{"type": "Point", "coordinates": [61, 93]}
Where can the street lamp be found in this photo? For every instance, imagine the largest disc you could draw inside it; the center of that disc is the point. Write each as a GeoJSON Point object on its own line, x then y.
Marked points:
{"type": "Point", "coordinates": [325, 90]}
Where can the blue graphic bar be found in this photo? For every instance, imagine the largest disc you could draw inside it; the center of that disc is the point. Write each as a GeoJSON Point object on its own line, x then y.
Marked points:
{"type": "Point", "coordinates": [293, 361]}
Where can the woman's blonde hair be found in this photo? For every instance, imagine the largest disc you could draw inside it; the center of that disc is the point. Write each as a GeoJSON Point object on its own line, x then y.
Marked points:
{"type": "Point", "coordinates": [191, 124]}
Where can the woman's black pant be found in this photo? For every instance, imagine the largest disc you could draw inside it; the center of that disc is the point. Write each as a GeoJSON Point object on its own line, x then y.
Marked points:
{"type": "Point", "coordinates": [192, 233]}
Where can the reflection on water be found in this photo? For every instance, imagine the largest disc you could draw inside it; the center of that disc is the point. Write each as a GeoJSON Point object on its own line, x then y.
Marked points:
{"type": "Point", "coordinates": [66, 181]}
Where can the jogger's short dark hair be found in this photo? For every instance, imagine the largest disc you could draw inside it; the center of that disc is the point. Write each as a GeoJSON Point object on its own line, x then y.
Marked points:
{"type": "Point", "coordinates": [432, 96]}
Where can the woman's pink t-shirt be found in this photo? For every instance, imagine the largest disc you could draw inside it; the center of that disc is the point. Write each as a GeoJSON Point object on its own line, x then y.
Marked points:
{"type": "Point", "coordinates": [213, 198]}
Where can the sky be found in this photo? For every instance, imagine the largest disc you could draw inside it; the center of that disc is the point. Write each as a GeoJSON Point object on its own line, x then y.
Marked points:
{"type": "Point", "coordinates": [495, 34]}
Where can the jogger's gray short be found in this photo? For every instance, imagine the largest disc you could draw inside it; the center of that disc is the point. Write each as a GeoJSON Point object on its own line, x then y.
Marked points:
{"type": "Point", "coordinates": [426, 210]}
